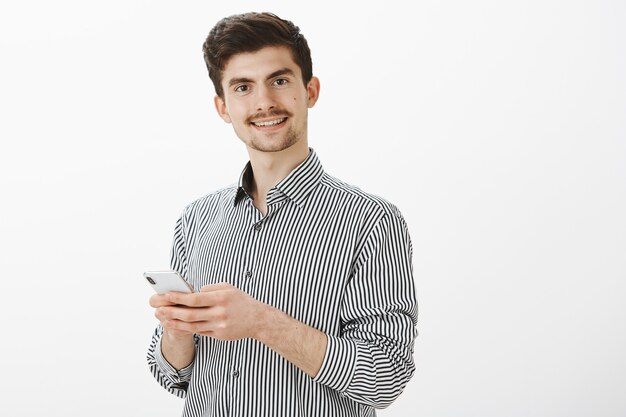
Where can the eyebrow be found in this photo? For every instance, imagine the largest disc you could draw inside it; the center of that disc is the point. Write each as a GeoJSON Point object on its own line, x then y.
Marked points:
{"type": "Point", "coordinates": [282, 71]}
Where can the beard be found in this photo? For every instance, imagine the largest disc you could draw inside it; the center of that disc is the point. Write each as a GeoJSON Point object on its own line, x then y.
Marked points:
{"type": "Point", "coordinates": [273, 142]}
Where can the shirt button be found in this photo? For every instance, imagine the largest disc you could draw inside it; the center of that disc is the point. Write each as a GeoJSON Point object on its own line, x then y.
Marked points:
{"type": "Point", "coordinates": [249, 274]}
{"type": "Point", "coordinates": [235, 374]}
{"type": "Point", "coordinates": [257, 226]}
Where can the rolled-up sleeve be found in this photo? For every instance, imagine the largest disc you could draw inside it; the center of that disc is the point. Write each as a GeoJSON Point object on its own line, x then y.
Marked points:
{"type": "Point", "coordinates": [371, 361]}
{"type": "Point", "coordinates": [172, 380]}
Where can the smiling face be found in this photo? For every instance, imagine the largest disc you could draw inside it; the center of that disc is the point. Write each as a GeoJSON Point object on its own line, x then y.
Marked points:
{"type": "Point", "coordinates": [266, 100]}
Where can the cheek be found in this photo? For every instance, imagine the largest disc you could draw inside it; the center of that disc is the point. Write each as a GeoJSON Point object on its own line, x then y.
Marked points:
{"type": "Point", "coordinates": [238, 115]}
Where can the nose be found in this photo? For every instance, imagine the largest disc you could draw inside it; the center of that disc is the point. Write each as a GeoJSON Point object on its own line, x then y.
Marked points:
{"type": "Point", "coordinates": [265, 99]}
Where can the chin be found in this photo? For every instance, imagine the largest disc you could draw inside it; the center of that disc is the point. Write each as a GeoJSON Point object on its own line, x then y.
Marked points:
{"type": "Point", "coordinates": [269, 148]}
{"type": "Point", "coordinates": [264, 145]}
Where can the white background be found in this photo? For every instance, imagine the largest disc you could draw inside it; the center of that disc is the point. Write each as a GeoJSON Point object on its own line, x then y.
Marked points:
{"type": "Point", "coordinates": [498, 128]}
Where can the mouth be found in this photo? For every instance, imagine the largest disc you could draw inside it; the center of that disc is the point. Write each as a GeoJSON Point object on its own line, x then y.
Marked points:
{"type": "Point", "coordinates": [269, 123]}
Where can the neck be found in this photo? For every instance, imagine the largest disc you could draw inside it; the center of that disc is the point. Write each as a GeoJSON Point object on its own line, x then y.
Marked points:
{"type": "Point", "coordinates": [270, 168]}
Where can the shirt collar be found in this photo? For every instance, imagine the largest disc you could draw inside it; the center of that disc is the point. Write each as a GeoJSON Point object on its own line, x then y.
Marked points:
{"type": "Point", "coordinates": [296, 186]}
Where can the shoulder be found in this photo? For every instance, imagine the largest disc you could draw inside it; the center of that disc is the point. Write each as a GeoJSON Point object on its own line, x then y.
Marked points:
{"type": "Point", "coordinates": [211, 202]}
{"type": "Point", "coordinates": [354, 198]}
{"type": "Point", "coordinates": [373, 219]}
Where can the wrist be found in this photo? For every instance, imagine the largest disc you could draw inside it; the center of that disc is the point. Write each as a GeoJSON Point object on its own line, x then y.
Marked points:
{"type": "Point", "coordinates": [268, 323]}
{"type": "Point", "coordinates": [176, 337]}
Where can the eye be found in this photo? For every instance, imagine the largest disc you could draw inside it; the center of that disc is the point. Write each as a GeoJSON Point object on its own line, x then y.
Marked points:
{"type": "Point", "coordinates": [281, 81]}
{"type": "Point", "coordinates": [242, 88]}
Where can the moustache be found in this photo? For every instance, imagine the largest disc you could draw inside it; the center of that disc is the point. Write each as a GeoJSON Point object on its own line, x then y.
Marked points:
{"type": "Point", "coordinates": [268, 114]}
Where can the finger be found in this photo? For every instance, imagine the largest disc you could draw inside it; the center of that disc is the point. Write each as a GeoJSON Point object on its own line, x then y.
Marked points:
{"type": "Point", "coordinates": [217, 287]}
{"type": "Point", "coordinates": [185, 314]}
{"type": "Point", "coordinates": [187, 299]}
{"type": "Point", "coordinates": [173, 329]}
{"type": "Point", "coordinates": [158, 300]}
{"type": "Point", "coordinates": [199, 327]}
{"type": "Point", "coordinates": [197, 299]}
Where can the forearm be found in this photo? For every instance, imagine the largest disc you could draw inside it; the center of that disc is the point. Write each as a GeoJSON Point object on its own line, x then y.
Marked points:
{"type": "Point", "coordinates": [302, 345]}
{"type": "Point", "coordinates": [178, 351]}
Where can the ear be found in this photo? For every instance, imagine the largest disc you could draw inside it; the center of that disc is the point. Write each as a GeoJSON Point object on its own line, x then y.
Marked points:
{"type": "Point", "coordinates": [313, 89]}
{"type": "Point", "coordinates": [222, 110]}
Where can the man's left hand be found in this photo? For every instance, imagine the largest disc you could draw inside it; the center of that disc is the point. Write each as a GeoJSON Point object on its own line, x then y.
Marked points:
{"type": "Point", "coordinates": [221, 311]}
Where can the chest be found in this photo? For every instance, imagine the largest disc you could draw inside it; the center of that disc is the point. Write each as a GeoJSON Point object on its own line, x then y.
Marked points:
{"type": "Point", "coordinates": [294, 259]}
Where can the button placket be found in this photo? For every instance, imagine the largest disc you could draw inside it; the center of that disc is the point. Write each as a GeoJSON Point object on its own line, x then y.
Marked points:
{"type": "Point", "coordinates": [247, 282]}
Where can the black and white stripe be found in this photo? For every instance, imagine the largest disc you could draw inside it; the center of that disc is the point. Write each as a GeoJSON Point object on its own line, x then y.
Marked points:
{"type": "Point", "coordinates": [327, 254]}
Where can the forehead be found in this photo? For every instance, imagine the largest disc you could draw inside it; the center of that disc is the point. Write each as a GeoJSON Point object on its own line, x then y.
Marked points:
{"type": "Point", "coordinates": [259, 64]}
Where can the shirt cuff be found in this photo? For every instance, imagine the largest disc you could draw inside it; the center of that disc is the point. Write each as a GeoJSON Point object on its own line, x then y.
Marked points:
{"type": "Point", "coordinates": [339, 362]}
{"type": "Point", "coordinates": [175, 377]}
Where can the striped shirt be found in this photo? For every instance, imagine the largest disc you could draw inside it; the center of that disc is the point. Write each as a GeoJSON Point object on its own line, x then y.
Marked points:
{"type": "Point", "coordinates": [327, 254]}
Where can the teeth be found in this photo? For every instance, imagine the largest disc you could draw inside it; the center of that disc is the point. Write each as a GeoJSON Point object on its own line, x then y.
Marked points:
{"type": "Point", "coordinates": [270, 123]}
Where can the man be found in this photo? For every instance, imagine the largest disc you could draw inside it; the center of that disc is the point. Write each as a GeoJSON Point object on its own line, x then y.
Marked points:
{"type": "Point", "coordinates": [307, 303]}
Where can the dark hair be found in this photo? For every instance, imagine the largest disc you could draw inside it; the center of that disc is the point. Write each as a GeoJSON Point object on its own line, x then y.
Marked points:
{"type": "Point", "coordinates": [250, 32]}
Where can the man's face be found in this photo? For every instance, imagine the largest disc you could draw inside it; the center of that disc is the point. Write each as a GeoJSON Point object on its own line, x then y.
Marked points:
{"type": "Point", "coordinates": [265, 99]}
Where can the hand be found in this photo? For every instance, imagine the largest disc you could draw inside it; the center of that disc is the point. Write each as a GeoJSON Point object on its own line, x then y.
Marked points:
{"type": "Point", "coordinates": [221, 311]}
{"type": "Point", "coordinates": [159, 301]}
{"type": "Point", "coordinates": [224, 312]}
{"type": "Point", "coordinates": [177, 346]}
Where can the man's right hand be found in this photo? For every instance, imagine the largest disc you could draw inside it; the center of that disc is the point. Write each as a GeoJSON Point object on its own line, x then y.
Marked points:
{"type": "Point", "coordinates": [177, 346]}
{"type": "Point", "coordinates": [157, 301]}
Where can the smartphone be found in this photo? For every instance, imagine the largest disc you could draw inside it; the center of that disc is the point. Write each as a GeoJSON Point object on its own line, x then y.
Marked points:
{"type": "Point", "coordinates": [166, 281]}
